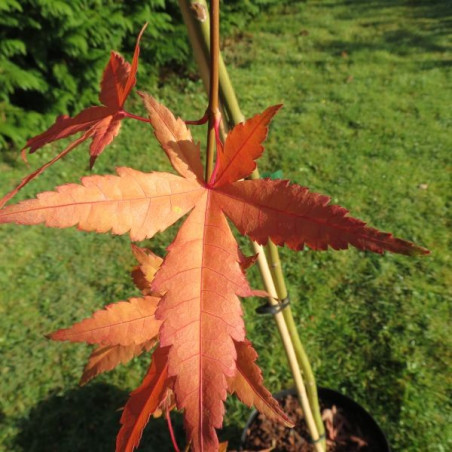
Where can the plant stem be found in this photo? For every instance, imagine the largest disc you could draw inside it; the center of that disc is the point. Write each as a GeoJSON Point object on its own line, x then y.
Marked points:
{"type": "Point", "coordinates": [305, 365]}
{"type": "Point", "coordinates": [213, 111]}
{"type": "Point", "coordinates": [131, 115]}
{"type": "Point", "coordinates": [303, 360]}
{"type": "Point", "coordinates": [198, 31]}
{"type": "Point", "coordinates": [170, 428]}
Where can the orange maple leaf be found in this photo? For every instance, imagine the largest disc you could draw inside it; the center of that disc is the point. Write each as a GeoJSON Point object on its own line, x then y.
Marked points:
{"type": "Point", "coordinates": [202, 353]}
{"type": "Point", "coordinates": [122, 330]}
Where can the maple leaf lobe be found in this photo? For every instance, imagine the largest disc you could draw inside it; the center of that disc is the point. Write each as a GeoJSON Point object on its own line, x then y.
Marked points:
{"type": "Point", "coordinates": [133, 202]}
{"type": "Point", "coordinates": [120, 323]}
{"type": "Point", "coordinates": [242, 147]}
{"type": "Point", "coordinates": [114, 79]}
{"type": "Point", "coordinates": [175, 139]}
{"type": "Point", "coordinates": [247, 383]}
{"type": "Point", "coordinates": [144, 273]}
{"type": "Point", "coordinates": [290, 214]}
{"type": "Point", "coordinates": [107, 357]}
{"type": "Point", "coordinates": [201, 314]}
{"type": "Point", "coordinates": [144, 401]}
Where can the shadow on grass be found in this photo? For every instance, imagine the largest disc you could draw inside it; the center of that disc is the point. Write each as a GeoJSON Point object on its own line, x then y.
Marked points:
{"type": "Point", "coordinates": [423, 27]}
{"type": "Point", "coordinates": [431, 9]}
{"type": "Point", "coordinates": [87, 419]}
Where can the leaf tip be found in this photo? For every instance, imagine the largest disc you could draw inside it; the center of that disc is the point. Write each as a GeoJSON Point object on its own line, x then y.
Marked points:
{"type": "Point", "coordinates": [419, 251]}
{"type": "Point", "coordinates": [275, 109]}
{"type": "Point", "coordinates": [92, 161]}
{"type": "Point", "coordinates": [23, 154]}
{"type": "Point", "coordinates": [142, 29]}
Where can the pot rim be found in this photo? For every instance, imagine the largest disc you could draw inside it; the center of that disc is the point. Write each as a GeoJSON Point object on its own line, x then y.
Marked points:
{"type": "Point", "coordinates": [341, 400]}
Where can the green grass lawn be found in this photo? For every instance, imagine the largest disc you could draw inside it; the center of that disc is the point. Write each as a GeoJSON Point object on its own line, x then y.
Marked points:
{"type": "Point", "coordinates": [367, 118]}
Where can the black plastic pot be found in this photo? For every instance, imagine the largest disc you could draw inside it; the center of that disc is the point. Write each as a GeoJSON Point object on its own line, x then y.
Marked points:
{"type": "Point", "coordinates": [354, 412]}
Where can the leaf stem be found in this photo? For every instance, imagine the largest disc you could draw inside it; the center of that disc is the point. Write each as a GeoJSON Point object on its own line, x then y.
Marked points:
{"type": "Point", "coordinates": [40, 170]}
{"type": "Point", "coordinates": [131, 115]}
{"type": "Point", "coordinates": [170, 428]}
{"type": "Point", "coordinates": [213, 110]}
{"type": "Point", "coordinates": [198, 122]}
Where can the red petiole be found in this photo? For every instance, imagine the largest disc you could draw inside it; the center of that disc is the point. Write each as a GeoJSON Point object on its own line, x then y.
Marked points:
{"type": "Point", "coordinates": [170, 428]}
{"type": "Point", "coordinates": [216, 127]}
{"type": "Point", "coordinates": [131, 115]}
{"type": "Point", "coordinates": [198, 122]}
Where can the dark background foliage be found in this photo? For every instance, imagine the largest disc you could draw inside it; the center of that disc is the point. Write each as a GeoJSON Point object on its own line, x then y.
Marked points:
{"type": "Point", "coordinates": [52, 52]}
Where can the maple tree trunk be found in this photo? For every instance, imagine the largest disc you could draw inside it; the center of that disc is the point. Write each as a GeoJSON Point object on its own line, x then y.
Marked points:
{"type": "Point", "coordinates": [199, 32]}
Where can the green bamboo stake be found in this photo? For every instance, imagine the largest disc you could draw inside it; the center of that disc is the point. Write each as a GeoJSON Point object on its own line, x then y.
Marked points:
{"type": "Point", "coordinates": [302, 357]}
{"type": "Point", "coordinates": [198, 28]}
{"type": "Point", "coordinates": [289, 348]}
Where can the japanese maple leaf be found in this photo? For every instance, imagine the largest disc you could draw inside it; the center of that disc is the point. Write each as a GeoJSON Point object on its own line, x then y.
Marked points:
{"type": "Point", "coordinates": [100, 123]}
{"type": "Point", "coordinates": [122, 330]}
{"type": "Point", "coordinates": [201, 278]}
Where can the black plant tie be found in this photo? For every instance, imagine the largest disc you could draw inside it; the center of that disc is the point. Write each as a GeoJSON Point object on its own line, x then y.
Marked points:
{"type": "Point", "coordinates": [314, 441]}
{"type": "Point", "coordinates": [274, 308]}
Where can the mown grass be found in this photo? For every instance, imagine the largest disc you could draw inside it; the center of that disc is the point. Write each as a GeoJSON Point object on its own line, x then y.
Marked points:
{"type": "Point", "coordinates": [366, 89]}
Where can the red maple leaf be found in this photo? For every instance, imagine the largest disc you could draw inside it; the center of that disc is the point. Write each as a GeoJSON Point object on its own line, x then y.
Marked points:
{"type": "Point", "coordinates": [202, 352]}
{"type": "Point", "coordinates": [100, 123]}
